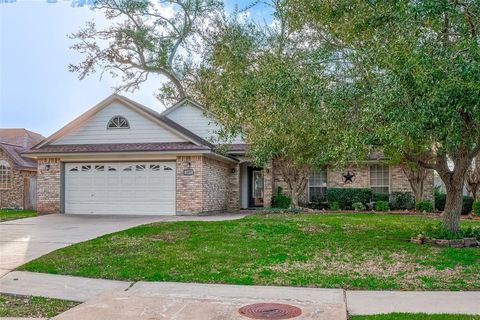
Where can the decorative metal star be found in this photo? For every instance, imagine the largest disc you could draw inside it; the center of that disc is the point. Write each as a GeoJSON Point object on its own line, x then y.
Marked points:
{"type": "Point", "coordinates": [349, 176]}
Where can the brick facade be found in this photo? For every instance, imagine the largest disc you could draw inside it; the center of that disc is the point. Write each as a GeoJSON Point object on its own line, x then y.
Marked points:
{"type": "Point", "coordinates": [268, 184]}
{"type": "Point", "coordinates": [48, 186]}
{"type": "Point", "coordinates": [213, 187]}
{"type": "Point", "coordinates": [14, 195]}
{"type": "Point", "coordinates": [361, 180]}
{"type": "Point", "coordinates": [233, 198]}
{"type": "Point", "coordinates": [335, 179]}
{"type": "Point", "coordinates": [215, 184]}
{"type": "Point", "coordinates": [189, 187]}
{"type": "Point", "coordinates": [399, 182]}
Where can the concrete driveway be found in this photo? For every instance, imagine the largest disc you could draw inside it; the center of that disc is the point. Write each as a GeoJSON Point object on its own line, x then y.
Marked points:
{"type": "Point", "coordinates": [26, 239]}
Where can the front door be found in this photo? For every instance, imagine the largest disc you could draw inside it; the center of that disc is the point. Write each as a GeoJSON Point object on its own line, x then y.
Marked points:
{"type": "Point", "coordinates": [256, 187]}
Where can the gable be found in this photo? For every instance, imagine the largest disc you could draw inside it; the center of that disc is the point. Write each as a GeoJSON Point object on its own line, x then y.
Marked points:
{"type": "Point", "coordinates": [198, 121]}
{"type": "Point", "coordinates": [142, 129]}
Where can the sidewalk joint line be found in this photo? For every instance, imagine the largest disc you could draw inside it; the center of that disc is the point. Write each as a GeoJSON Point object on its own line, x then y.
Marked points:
{"type": "Point", "coordinates": [131, 285]}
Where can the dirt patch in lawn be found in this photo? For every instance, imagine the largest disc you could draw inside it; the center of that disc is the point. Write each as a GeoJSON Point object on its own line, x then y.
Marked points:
{"type": "Point", "coordinates": [399, 267]}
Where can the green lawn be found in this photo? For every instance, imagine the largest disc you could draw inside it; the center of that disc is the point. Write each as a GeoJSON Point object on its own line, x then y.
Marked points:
{"type": "Point", "coordinates": [361, 251]}
{"type": "Point", "coordinates": [416, 316]}
{"type": "Point", "coordinates": [7, 214]}
{"type": "Point", "coordinates": [14, 306]}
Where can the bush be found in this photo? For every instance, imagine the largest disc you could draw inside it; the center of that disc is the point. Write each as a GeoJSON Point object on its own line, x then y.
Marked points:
{"type": "Point", "coordinates": [334, 205]}
{"type": "Point", "coordinates": [318, 203]}
{"type": "Point", "coordinates": [440, 199]}
{"type": "Point", "coordinates": [358, 206]}
{"type": "Point", "coordinates": [467, 204]}
{"type": "Point", "coordinates": [348, 196]}
{"type": "Point", "coordinates": [424, 206]}
{"type": "Point", "coordinates": [476, 208]}
{"type": "Point", "coordinates": [280, 200]}
{"type": "Point", "coordinates": [402, 200]}
{"type": "Point", "coordinates": [382, 206]}
{"type": "Point", "coordinates": [381, 197]}
{"type": "Point", "coordinates": [438, 231]}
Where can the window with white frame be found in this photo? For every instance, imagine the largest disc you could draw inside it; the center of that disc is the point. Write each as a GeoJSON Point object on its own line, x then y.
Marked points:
{"type": "Point", "coordinates": [380, 178]}
{"type": "Point", "coordinates": [5, 175]}
{"type": "Point", "coordinates": [317, 184]}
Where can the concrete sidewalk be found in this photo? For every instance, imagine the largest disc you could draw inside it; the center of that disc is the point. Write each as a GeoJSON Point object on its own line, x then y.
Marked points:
{"type": "Point", "coordinates": [57, 286]}
{"type": "Point", "coordinates": [185, 301]}
{"type": "Point", "coordinates": [107, 299]}
{"type": "Point", "coordinates": [374, 302]}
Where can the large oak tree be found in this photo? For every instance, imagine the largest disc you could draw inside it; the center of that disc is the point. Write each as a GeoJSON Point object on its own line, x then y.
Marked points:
{"type": "Point", "coordinates": [415, 67]}
{"type": "Point", "coordinates": [270, 84]}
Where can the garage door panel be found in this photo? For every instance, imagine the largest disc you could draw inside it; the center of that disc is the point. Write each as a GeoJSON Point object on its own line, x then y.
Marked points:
{"type": "Point", "coordinates": [120, 188]}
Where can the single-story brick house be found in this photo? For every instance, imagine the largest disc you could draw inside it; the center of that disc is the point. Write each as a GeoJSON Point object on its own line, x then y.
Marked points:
{"type": "Point", "coordinates": [121, 157]}
{"type": "Point", "coordinates": [17, 173]}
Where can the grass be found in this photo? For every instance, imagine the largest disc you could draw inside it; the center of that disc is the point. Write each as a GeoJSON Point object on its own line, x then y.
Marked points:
{"type": "Point", "coordinates": [416, 316]}
{"type": "Point", "coordinates": [10, 214]}
{"type": "Point", "coordinates": [354, 251]}
{"type": "Point", "coordinates": [16, 306]}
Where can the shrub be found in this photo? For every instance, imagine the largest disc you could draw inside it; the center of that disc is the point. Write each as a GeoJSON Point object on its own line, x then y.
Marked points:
{"type": "Point", "coordinates": [402, 200]}
{"type": "Point", "coordinates": [280, 200]}
{"type": "Point", "coordinates": [318, 203]}
{"type": "Point", "coordinates": [358, 206]}
{"type": "Point", "coordinates": [440, 199]}
{"type": "Point", "coordinates": [438, 231]}
{"type": "Point", "coordinates": [382, 206]}
{"type": "Point", "coordinates": [348, 196]}
{"type": "Point", "coordinates": [381, 197]}
{"type": "Point", "coordinates": [424, 206]}
{"type": "Point", "coordinates": [467, 204]}
{"type": "Point", "coordinates": [334, 205]}
{"type": "Point", "coordinates": [476, 208]}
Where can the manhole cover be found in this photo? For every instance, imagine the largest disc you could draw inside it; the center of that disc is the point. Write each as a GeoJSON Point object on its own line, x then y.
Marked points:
{"type": "Point", "coordinates": [270, 311]}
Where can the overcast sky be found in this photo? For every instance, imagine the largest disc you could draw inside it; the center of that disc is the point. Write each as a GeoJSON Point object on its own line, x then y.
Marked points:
{"type": "Point", "coordinates": [37, 92]}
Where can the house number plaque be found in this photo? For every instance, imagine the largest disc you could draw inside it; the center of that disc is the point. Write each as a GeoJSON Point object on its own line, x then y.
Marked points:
{"type": "Point", "coordinates": [188, 172]}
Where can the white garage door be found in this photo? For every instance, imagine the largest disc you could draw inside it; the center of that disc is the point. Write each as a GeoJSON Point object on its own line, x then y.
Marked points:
{"type": "Point", "coordinates": [142, 188]}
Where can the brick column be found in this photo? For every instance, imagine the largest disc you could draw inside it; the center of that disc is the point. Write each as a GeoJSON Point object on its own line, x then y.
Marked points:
{"type": "Point", "coordinates": [233, 202]}
{"type": "Point", "coordinates": [48, 186]}
{"type": "Point", "coordinates": [189, 187]}
{"type": "Point", "coordinates": [268, 184]}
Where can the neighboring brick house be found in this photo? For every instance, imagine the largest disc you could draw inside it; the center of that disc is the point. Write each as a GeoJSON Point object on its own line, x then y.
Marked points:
{"type": "Point", "coordinates": [121, 157]}
{"type": "Point", "coordinates": [17, 173]}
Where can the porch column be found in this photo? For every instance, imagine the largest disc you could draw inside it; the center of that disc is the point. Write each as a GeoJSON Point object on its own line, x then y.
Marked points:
{"type": "Point", "coordinates": [268, 184]}
{"type": "Point", "coordinates": [233, 201]}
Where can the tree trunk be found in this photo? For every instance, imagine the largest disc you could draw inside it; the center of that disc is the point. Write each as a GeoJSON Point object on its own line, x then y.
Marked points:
{"type": "Point", "coordinates": [453, 208]}
{"type": "Point", "coordinates": [296, 178]}
{"type": "Point", "coordinates": [472, 178]}
{"type": "Point", "coordinates": [416, 176]}
{"type": "Point", "coordinates": [453, 180]}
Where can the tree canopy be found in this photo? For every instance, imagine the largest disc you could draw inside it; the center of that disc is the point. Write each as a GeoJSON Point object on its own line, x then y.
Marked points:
{"type": "Point", "coordinates": [142, 39]}
{"type": "Point", "coordinates": [415, 68]}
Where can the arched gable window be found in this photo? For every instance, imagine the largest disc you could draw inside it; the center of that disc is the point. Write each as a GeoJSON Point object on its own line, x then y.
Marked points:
{"type": "Point", "coordinates": [118, 122]}
{"type": "Point", "coordinates": [5, 175]}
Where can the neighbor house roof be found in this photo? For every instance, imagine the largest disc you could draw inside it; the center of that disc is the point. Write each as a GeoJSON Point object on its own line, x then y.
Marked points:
{"type": "Point", "coordinates": [16, 141]}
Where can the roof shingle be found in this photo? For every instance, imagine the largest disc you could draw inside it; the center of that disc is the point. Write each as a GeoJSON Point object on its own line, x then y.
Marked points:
{"type": "Point", "coordinates": [118, 147]}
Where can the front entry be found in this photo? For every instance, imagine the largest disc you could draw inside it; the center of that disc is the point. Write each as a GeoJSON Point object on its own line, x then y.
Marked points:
{"type": "Point", "coordinates": [255, 187]}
